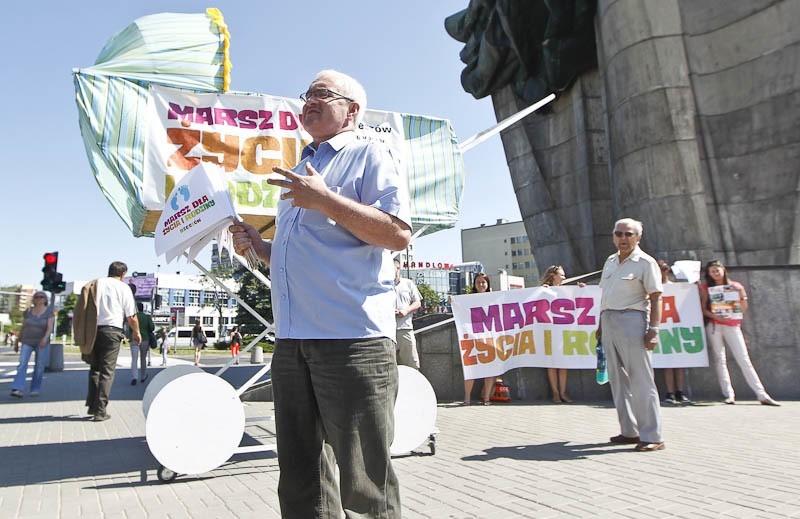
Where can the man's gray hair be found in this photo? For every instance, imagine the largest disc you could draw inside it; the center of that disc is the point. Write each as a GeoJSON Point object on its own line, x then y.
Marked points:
{"type": "Point", "coordinates": [636, 225]}
{"type": "Point", "coordinates": [349, 87]}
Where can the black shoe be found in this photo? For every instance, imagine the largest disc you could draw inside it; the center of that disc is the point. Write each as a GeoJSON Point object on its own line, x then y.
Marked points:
{"type": "Point", "coordinates": [101, 417]}
{"type": "Point", "coordinates": [680, 398]}
{"type": "Point", "coordinates": [145, 378]}
{"type": "Point", "coordinates": [670, 399]}
{"type": "Point", "coordinates": [16, 393]}
{"type": "Point", "coordinates": [133, 382]}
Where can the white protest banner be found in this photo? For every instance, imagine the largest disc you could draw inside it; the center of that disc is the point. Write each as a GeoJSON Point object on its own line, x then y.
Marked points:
{"type": "Point", "coordinates": [244, 135]}
{"type": "Point", "coordinates": [681, 336]}
{"type": "Point", "coordinates": [198, 209]}
{"type": "Point", "coordinates": [554, 327]}
{"type": "Point", "coordinates": [544, 327]}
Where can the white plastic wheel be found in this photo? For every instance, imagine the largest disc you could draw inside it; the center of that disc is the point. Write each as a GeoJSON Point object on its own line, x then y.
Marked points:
{"type": "Point", "coordinates": [414, 411]}
{"type": "Point", "coordinates": [195, 423]}
{"type": "Point", "coordinates": [164, 377]}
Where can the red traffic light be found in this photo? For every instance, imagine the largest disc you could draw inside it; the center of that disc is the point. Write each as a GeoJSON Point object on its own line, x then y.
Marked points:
{"type": "Point", "coordinates": [50, 258]}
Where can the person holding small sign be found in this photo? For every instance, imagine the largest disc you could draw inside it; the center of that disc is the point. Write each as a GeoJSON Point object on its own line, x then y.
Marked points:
{"type": "Point", "coordinates": [724, 326]}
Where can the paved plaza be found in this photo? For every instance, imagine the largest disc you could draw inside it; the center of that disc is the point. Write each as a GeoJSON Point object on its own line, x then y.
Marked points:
{"type": "Point", "coordinates": [525, 459]}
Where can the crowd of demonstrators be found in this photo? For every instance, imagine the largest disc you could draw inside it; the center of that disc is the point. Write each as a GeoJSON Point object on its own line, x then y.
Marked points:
{"type": "Point", "coordinates": [407, 301]}
{"type": "Point", "coordinates": [102, 307]}
{"type": "Point", "coordinates": [34, 336]}
{"type": "Point", "coordinates": [721, 331]}
{"type": "Point", "coordinates": [199, 340]}
{"type": "Point", "coordinates": [673, 377]}
{"type": "Point", "coordinates": [480, 284]}
{"type": "Point", "coordinates": [557, 377]}
{"type": "Point", "coordinates": [334, 371]}
{"type": "Point", "coordinates": [630, 314]}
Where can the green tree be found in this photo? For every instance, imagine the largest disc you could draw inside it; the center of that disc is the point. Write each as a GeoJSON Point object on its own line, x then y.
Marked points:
{"type": "Point", "coordinates": [430, 299]}
{"type": "Point", "coordinates": [257, 295]}
{"type": "Point", "coordinates": [15, 316]}
{"type": "Point", "coordinates": [63, 326]}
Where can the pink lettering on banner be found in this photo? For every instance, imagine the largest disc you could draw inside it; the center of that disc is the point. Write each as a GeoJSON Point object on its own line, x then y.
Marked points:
{"type": "Point", "coordinates": [513, 315]}
{"type": "Point", "coordinates": [585, 304]}
{"type": "Point", "coordinates": [559, 309]}
{"type": "Point", "coordinates": [247, 119]}
{"type": "Point", "coordinates": [225, 116]}
{"type": "Point", "coordinates": [204, 116]}
{"type": "Point", "coordinates": [266, 117]}
{"type": "Point", "coordinates": [176, 112]}
{"type": "Point", "coordinates": [485, 320]}
{"type": "Point", "coordinates": [287, 120]}
{"type": "Point", "coordinates": [536, 311]}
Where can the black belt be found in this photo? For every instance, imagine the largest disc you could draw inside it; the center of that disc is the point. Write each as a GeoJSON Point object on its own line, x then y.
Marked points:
{"type": "Point", "coordinates": [109, 326]}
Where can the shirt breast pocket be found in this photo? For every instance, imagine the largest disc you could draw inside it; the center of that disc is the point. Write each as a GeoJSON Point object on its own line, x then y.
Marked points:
{"type": "Point", "coordinates": [317, 219]}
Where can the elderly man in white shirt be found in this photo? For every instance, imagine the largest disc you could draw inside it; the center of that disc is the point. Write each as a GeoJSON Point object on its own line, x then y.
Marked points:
{"type": "Point", "coordinates": [630, 312]}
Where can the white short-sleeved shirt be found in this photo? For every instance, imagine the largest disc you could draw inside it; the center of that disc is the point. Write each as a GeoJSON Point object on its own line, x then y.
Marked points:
{"type": "Point", "coordinates": [626, 285]}
{"type": "Point", "coordinates": [406, 292]}
{"type": "Point", "coordinates": [114, 302]}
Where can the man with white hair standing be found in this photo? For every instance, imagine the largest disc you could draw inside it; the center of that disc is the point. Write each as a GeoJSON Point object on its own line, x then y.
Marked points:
{"type": "Point", "coordinates": [630, 313]}
{"type": "Point", "coordinates": [341, 211]}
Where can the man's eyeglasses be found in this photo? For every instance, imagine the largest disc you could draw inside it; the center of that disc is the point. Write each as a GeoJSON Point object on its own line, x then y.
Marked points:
{"type": "Point", "coordinates": [620, 234]}
{"type": "Point", "coordinates": [39, 297]}
{"type": "Point", "coordinates": [321, 93]}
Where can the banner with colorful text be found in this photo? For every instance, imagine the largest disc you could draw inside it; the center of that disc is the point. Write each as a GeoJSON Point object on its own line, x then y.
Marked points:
{"type": "Point", "coordinates": [246, 135]}
{"type": "Point", "coordinates": [554, 327]}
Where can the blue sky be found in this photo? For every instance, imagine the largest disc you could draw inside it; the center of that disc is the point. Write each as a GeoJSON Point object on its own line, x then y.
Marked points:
{"type": "Point", "coordinates": [398, 50]}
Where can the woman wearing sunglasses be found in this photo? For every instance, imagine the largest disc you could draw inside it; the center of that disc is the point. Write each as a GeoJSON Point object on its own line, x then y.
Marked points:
{"type": "Point", "coordinates": [34, 338]}
{"type": "Point", "coordinates": [721, 331]}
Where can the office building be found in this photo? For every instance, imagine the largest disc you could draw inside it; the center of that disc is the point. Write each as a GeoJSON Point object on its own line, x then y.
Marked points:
{"type": "Point", "coordinates": [503, 247]}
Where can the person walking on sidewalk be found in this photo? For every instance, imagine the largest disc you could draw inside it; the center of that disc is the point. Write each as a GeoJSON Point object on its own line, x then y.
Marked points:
{"type": "Point", "coordinates": [236, 343]}
{"type": "Point", "coordinates": [199, 340]}
{"type": "Point", "coordinates": [140, 352]}
{"type": "Point", "coordinates": [34, 337]}
{"type": "Point", "coordinates": [98, 316]}
{"type": "Point", "coordinates": [630, 312]}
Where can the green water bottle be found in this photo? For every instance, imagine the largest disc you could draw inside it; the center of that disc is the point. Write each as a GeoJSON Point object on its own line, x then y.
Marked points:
{"type": "Point", "coordinates": [601, 375]}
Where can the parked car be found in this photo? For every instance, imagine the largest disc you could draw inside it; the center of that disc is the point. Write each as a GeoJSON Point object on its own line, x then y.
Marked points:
{"type": "Point", "coordinates": [181, 336]}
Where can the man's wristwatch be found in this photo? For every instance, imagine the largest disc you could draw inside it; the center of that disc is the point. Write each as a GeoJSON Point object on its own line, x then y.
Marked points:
{"type": "Point", "coordinates": [654, 328]}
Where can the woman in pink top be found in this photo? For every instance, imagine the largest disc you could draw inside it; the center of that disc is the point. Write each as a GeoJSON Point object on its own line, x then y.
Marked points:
{"type": "Point", "coordinates": [721, 331]}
